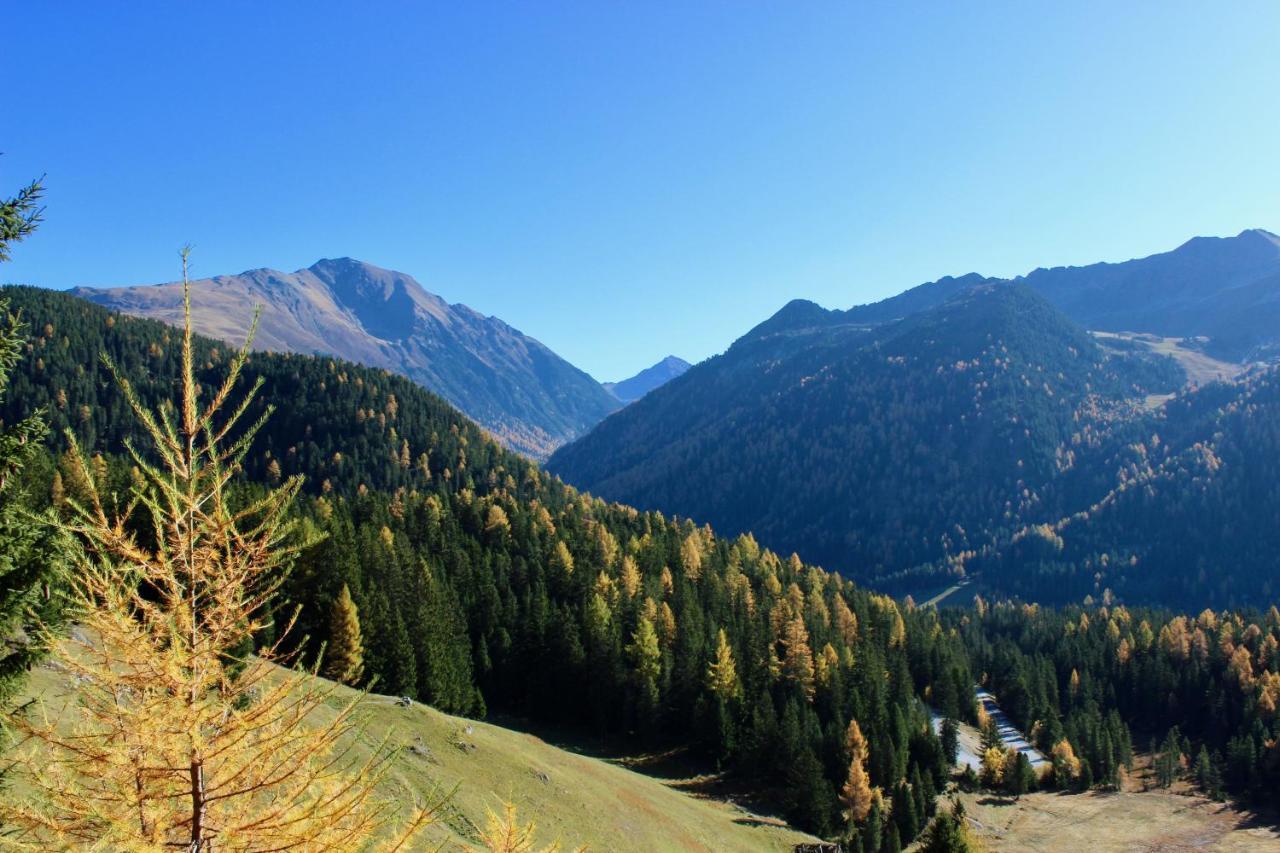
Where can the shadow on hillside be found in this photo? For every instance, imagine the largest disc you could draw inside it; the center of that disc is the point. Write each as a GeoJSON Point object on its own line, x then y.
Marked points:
{"type": "Point", "coordinates": [674, 766]}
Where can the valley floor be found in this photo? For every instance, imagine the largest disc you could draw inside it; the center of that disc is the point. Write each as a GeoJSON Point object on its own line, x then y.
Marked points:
{"type": "Point", "coordinates": [1100, 822]}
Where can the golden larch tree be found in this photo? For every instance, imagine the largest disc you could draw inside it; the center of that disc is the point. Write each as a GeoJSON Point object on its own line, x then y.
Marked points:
{"type": "Point", "coordinates": [856, 795]}
{"type": "Point", "coordinates": [797, 658]}
{"type": "Point", "coordinates": [177, 737]}
{"type": "Point", "coordinates": [722, 673]}
{"type": "Point", "coordinates": [344, 653]}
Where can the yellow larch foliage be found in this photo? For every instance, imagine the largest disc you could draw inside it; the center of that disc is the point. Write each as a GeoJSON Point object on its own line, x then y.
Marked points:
{"type": "Point", "coordinates": [825, 666]}
{"type": "Point", "coordinates": [1123, 652]}
{"type": "Point", "coordinates": [630, 576]}
{"type": "Point", "coordinates": [1241, 668]}
{"type": "Point", "coordinates": [691, 556]}
{"type": "Point", "coordinates": [179, 739]}
{"type": "Point", "coordinates": [504, 833]}
{"type": "Point", "coordinates": [668, 582]}
{"type": "Point", "coordinates": [797, 658]}
{"type": "Point", "coordinates": [606, 588]}
{"type": "Point", "coordinates": [1065, 762]}
{"type": "Point", "coordinates": [666, 625]}
{"type": "Point", "coordinates": [344, 653]}
{"type": "Point", "coordinates": [994, 760]}
{"type": "Point", "coordinates": [562, 559]}
{"type": "Point", "coordinates": [722, 673]}
{"type": "Point", "coordinates": [846, 621]}
{"type": "Point", "coordinates": [856, 794]}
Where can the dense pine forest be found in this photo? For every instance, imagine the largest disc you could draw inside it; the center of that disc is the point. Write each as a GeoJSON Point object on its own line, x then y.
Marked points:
{"type": "Point", "coordinates": [893, 454]}
{"type": "Point", "coordinates": [988, 437]}
{"type": "Point", "coordinates": [460, 574]}
{"type": "Point", "coordinates": [1177, 507]}
{"type": "Point", "coordinates": [1200, 693]}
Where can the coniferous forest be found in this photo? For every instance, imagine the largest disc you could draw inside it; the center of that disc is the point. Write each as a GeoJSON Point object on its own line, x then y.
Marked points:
{"type": "Point", "coordinates": [480, 582]}
{"type": "Point", "coordinates": [449, 570]}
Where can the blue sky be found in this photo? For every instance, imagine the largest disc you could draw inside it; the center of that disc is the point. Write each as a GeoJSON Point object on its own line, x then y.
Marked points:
{"type": "Point", "coordinates": [627, 180]}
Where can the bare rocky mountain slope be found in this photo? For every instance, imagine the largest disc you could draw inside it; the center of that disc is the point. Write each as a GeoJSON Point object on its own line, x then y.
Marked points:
{"type": "Point", "coordinates": [513, 385]}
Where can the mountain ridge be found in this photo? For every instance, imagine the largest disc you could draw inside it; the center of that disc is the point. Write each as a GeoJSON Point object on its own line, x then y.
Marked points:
{"type": "Point", "coordinates": [509, 382]}
{"type": "Point", "coordinates": [806, 437]}
{"type": "Point", "coordinates": [1226, 289]}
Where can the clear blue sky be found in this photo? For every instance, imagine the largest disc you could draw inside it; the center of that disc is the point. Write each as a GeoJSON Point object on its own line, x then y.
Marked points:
{"type": "Point", "coordinates": [625, 180]}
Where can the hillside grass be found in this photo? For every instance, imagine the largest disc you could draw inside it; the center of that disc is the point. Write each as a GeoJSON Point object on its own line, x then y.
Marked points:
{"type": "Point", "coordinates": [1200, 367]}
{"type": "Point", "coordinates": [1100, 821]}
{"type": "Point", "coordinates": [574, 799]}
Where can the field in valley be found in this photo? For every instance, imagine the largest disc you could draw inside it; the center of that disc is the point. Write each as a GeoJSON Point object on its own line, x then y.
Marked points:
{"type": "Point", "coordinates": [1201, 369]}
{"type": "Point", "coordinates": [1100, 822]}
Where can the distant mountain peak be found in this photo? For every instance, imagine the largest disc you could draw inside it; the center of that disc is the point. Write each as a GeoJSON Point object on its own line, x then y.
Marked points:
{"type": "Point", "coordinates": [1260, 234]}
{"type": "Point", "coordinates": [649, 379]}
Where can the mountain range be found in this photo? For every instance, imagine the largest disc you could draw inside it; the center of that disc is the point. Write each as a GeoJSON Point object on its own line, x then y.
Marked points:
{"type": "Point", "coordinates": [1224, 289]}
{"type": "Point", "coordinates": [510, 383]}
{"type": "Point", "coordinates": [915, 439]}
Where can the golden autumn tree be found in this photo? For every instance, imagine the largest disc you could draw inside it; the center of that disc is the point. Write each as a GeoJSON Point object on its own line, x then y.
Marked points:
{"type": "Point", "coordinates": [994, 762]}
{"type": "Point", "coordinates": [344, 654]}
{"type": "Point", "coordinates": [722, 673]}
{"type": "Point", "coordinates": [177, 736]}
{"type": "Point", "coordinates": [856, 795]}
{"type": "Point", "coordinates": [797, 660]}
{"type": "Point", "coordinates": [1066, 766]}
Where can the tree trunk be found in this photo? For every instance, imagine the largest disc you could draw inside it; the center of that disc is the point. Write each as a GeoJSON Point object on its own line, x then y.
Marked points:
{"type": "Point", "coordinates": [198, 842]}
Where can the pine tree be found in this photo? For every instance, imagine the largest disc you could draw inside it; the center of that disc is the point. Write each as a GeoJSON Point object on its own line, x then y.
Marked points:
{"type": "Point", "coordinates": [950, 740]}
{"type": "Point", "coordinates": [31, 555]}
{"type": "Point", "coordinates": [344, 655]}
{"type": "Point", "coordinates": [949, 833]}
{"type": "Point", "coordinates": [646, 658]}
{"type": "Point", "coordinates": [1019, 777]}
{"type": "Point", "coordinates": [180, 737]}
{"type": "Point", "coordinates": [873, 830]}
{"type": "Point", "coordinates": [906, 816]}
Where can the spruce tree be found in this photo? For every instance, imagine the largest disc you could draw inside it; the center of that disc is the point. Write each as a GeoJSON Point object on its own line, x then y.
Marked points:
{"type": "Point", "coordinates": [948, 833]}
{"type": "Point", "coordinates": [1019, 777]}
{"type": "Point", "coordinates": [950, 740]}
{"type": "Point", "coordinates": [30, 556]}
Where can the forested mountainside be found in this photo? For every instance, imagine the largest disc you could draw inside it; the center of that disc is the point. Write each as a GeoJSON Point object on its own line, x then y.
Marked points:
{"type": "Point", "coordinates": [1224, 289]}
{"type": "Point", "coordinates": [514, 386]}
{"type": "Point", "coordinates": [1178, 506]}
{"type": "Point", "coordinates": [478, 581]}
{"type": "Point", "coordinates": [879, 451]}
{"type": "Point", "coordinates": [1199, 693]}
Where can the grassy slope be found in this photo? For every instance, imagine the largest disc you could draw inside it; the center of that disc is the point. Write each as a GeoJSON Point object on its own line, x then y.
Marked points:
{"type": "Point", "coordinates": [1100, 821]}
{"type": "Point", "coordinates": [572, 798]}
